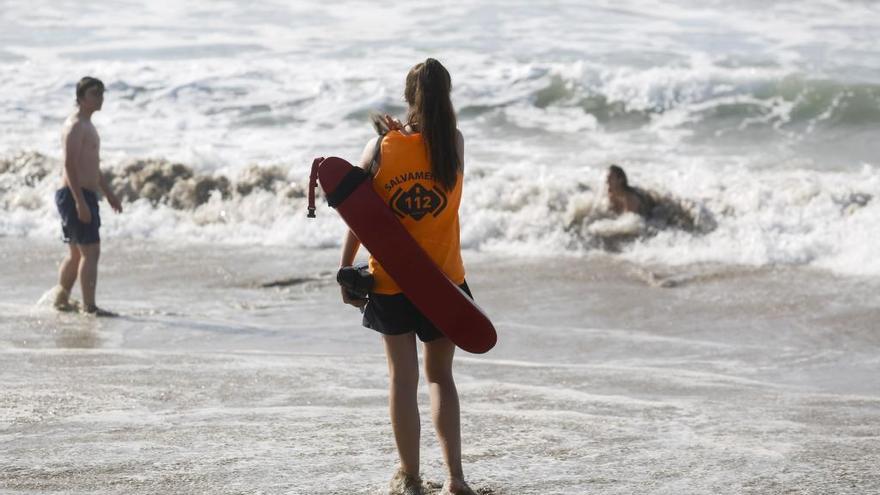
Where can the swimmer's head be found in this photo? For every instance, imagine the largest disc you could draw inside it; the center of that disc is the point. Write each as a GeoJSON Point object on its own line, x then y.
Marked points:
{"type": "Point", "coordinates": [617, 178]}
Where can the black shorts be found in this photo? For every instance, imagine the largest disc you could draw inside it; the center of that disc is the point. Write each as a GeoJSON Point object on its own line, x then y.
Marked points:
{"type": "Point", "coordinates": [394, 314]}
{"type": "Point", "coordinates": [73, 230]}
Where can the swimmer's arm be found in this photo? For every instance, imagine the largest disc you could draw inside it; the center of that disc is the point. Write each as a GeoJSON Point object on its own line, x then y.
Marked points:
{"type": "Point", "coordinates": [73, 142]}
{"type": "Point", "coordinates": [108, 193]}
{"type": "Point", "coordinates": [621, 203]}
{"type": "Point", "coordinates": [632, 204]}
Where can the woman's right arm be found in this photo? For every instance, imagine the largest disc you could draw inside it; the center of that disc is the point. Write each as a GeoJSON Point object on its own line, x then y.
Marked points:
{"type": "Point", "coordinates": [349, 250]}
{"type": "Point", "coordinates": [351, 244]}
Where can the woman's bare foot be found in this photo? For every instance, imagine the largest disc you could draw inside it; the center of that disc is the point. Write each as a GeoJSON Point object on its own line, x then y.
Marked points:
{"type": "Point", "coordinates": [455, 486]}
{"type": "Point", "coordinates": [405, 484]}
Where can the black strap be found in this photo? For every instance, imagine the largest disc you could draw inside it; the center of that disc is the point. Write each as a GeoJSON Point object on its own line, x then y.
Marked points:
{"type": "Point", "coordinates": [313, 183]}
{"type": "Point", "coordinates": [352, 179]}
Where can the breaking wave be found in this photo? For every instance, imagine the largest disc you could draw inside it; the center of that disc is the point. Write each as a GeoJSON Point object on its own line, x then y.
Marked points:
{"type": "Point", "coordinates": [753, 218]}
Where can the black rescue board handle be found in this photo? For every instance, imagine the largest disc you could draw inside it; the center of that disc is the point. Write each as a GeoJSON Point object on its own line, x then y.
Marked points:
{"type": "Point", "coordinates": [352, 179]}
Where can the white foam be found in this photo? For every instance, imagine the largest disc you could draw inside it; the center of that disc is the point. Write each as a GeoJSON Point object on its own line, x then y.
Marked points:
{"type": "Point", "coordinates": [756, 218]}
{"type": "Point", "coordinates": [708, 103]}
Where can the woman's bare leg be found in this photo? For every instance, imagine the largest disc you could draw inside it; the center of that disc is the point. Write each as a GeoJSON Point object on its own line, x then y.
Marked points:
{"type": "Point", "coordinates": [445, 409]}
{"type": "Point", "coordinates": [403, 371]}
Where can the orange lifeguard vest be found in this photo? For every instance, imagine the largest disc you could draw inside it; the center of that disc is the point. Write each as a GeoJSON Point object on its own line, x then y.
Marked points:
{"type": "Point", "coordinates": [425, 208]}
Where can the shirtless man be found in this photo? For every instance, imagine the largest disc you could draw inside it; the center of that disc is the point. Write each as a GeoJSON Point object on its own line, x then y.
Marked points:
{"type": "Point", "coordinates": [77, 200]}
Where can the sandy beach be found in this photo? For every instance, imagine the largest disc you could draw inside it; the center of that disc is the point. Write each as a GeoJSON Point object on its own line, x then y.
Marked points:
{"type": "Point", "coordinates": [724, 340]}
{"type": "Point", "coordinates": [211, 383]}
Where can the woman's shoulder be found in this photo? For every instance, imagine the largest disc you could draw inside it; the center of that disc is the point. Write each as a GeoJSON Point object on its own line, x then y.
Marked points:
{"type": "Point", "coordinates": [369, 153]}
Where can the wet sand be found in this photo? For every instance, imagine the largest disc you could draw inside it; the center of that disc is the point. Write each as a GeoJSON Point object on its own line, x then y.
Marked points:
{"type": "Point", "coordinates": [734, 381]}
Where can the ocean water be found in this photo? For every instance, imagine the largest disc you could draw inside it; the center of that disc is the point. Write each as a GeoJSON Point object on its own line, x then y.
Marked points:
{"type": "Point", "coordinates": [754, 121]}
{"type": "Point", "coordinates": [728, 344]}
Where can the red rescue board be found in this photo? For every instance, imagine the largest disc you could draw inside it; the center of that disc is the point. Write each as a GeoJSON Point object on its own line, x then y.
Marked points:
{"type": "Point", "coordinates": [350, 191]}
